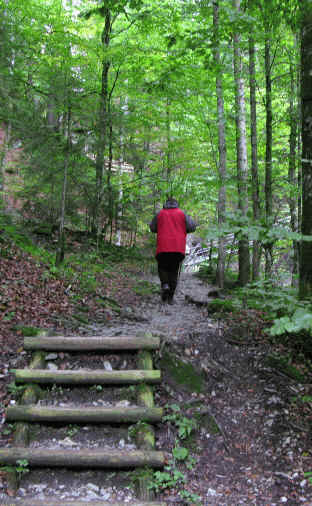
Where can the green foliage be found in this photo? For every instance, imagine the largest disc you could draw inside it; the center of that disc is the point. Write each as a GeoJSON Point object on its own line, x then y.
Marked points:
{"type": "Point", "coordinates": [134, 429]}
{"type": "Point", "coordinates": [172, 476]}
{"type": "Point", "coordinates": [27, 331]}
{"type": "Point", "coordinates": [282, 363]}
{"type": "Point", "coordinates": [184, 425]}
{"type": "Point", "coordinates": [72, 430]}
{"type": "Point", "coordinates": [97, 388]}
{"type": "Point", "coordinates": [300, 320]}
{"type": "Point", "coordinates": [308, 475]}
{"type": "Point", "coordinates": [15, 389]}
{"type": "Point", "coordinates": [224, 306]}
{"type": "Point", "coordinates": [22, 467]}
{"type": "Point", "coordinates": [8, 429]}
{"type": "Point", "coordinates": [180, 453]}
{"type": "Point", "coordinates": [273, 300]}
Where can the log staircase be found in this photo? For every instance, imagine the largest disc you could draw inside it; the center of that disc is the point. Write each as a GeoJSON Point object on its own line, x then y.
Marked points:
{"type": "Point", "coordinates": [28, 412]}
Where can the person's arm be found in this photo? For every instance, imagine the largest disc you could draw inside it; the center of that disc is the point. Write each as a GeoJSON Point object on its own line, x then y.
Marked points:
{"type": "Point", "coordinates": [190, 224]}
{"type": "Point", "coordinates": [153, 225]}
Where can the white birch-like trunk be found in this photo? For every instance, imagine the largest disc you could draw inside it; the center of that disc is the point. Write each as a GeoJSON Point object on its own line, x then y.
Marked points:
{"type": "Point", "coordinates": [256, 252]}
{"type": "Point", "coordinates": [221, 146]}
{"type": "Point", "coordinates": [241, 149]}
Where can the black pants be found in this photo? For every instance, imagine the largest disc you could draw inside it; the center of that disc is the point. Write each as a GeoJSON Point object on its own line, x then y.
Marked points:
{"type": "Point", "coordinates": [168, 269]}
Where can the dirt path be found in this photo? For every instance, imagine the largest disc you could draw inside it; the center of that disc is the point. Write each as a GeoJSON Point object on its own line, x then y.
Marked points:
{"type": "Point", "coordinates": [253, 453]}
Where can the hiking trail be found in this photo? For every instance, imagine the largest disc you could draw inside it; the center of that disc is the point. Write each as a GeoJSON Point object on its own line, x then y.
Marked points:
{"type": "Point", "coordinates": [247, 447]}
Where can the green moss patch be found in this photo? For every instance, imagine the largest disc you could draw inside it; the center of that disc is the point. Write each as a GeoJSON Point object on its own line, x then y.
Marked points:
{"type": "Point", "coordinates": [182, 373]}
{"type": "Point", "coordinates": [282, 365]}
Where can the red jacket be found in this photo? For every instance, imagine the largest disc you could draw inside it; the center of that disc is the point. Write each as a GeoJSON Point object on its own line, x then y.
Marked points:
{"type": "Point", "coordinates": [171, 231]}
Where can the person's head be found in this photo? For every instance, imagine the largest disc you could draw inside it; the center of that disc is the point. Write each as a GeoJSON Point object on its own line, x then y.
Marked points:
{"type": "Point", "coordinates": [171, 203]}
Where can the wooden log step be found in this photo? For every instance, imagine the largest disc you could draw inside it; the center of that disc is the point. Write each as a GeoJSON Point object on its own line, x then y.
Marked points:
{"type": "Point", "coordinates": [31, 502]}
{"type": "Point", "coordinates": [96, 343]}
{"type": "Point", "coordinates": [81, 377]}
{"type": "Point", "coordinates": [95, 458]}
{"type": "Point", "coordinates": [25, 413]}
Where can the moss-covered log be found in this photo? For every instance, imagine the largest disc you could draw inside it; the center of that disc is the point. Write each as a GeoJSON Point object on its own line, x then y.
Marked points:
{"type": "Point", "coordinates": [83, 415]}
{"type": "Point", "coordinates": [145, 360]}
{"type": "Point", "coordinates": [12, 481]}
{"type": "Point", "coordinates": [30, 396]}
{"type": "Point", "coordinates": [21, 435]}
{"type": "Point", "coordinates": [145, 396]}
{"type": "Point", "coordinates": [145, 437]}
{"type": "Point", "coordinates": [95, 458]}
{"type": "Point", "coordinates": [95, 343]}
{"type": "Point", "coordinates": [38, 360]}
{"type": "Point", "coordinates": [82, 377]}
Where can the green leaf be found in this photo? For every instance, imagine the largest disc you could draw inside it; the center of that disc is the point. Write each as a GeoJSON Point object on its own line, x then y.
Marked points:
{"type": "Point", "coordinates": [180, 453]}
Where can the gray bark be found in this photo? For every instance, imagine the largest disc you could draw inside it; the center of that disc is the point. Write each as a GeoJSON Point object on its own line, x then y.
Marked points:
{"type": "Point", "coordinates": [268, 247]}
{"type": "Point", "coordinates": [241, 149]}
{"type": "Point", "coordinates": [221, 146]}
{"type": "Point", "coordinates": [103, 122]}
{"type": "Point", "coordinates": [292, 176]}
{"type": "Point", "coordinates": [305, 285]}
{"type": "Point", "coordinates": [256, 253]}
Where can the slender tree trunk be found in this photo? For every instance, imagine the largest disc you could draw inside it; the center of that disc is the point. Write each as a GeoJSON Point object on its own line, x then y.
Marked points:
{"type": "Point", "coordinates": [109, 180]}
{"type": "Point", "coordinates": [268, 247]}
{"type": "Point", "coordinates": [221, 146]}
{"type": "Point", "coordinates": [61, 238]}
{"type": "Point", "coordinates": [241, 148]}
{"type": "Point", "coordinates": [305, 285]}
{"type": "Point", "coordinates": [256, 254]}
{"type": "Point", "coordinates": [299, 163]}
{"type": "Point", "coordinates": [292, 177]}
{"type": "Point", "coordinates": [3, 155]}
{"type": "Point", "coordinates": [168, 132]}
{"type": "Point", "coordinates": [102, 124]}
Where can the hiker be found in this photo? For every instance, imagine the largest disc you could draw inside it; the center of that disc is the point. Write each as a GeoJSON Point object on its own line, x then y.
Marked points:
{"type": "Point", "coordinates": [171, 225]}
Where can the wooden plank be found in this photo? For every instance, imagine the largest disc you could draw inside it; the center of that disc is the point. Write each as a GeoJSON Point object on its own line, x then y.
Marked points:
{"type": "Point", "coordinates": [84, 458]}
{"type": "Point", "coordinates": [55, 502]}
{"type": "Point", "coordinates": [145, 437]}
{"type": "Point", "coordinates": [95, 343]}
{"type": "Point", "coordinates": [30, 396]}
{"type": "Point", "coordinates": [83, 415]}
{"type": "Point", "coordinates": [86, 377]}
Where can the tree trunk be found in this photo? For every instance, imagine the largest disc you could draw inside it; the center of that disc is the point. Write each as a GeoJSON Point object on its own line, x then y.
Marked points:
{"type": "Point", "coordinates": [109, 178]}
{"type": "Point", "coordinates": [168, 133]}
{"type": "Point", "coordinates": [292, 177]}
{"type": "Point", "coordinates": [102, 123]}
{"type": "Point", "coordinates": [221, 146]}
{"type": "Point", "coordinates": [61, 238]}
{"type": "Point", "coordinates": [305, 286]}
{"type": "Point", "coordinates": [3, 155]}
{"type": "Point", "coordinates": [241, 148]}
{"type": "Point", "coordinates": [256, 253]}
{"type": "Point", "coordinates": [268, 247]}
